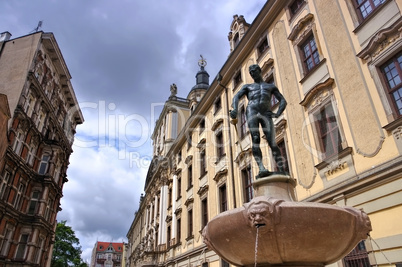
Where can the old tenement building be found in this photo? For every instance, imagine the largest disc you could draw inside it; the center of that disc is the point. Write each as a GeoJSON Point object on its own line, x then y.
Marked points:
{"type": "Point", "coordinates": [108, 254]}
{"type": "Point", "coordinates": [43, 113]}
{"type": "Point", "coordinates": [338, 63]}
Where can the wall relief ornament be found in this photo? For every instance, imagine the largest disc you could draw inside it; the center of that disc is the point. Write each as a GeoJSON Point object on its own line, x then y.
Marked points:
{"type": "Point", "coordinates": [380, 41]}
{"type": "Point", "coordinates": [397, 133]}
{"type": "Point", "coordinates": [302, 28]}
{"type": "Point", "coordinates": [335, 166]}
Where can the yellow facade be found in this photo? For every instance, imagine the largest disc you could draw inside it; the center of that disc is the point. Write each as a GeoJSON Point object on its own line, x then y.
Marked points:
{"type": "Point", "coordinates": [341, 131]}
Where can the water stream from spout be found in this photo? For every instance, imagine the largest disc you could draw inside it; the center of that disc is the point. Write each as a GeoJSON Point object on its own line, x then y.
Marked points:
{"type": "Point", "coordinates": [256, 248]}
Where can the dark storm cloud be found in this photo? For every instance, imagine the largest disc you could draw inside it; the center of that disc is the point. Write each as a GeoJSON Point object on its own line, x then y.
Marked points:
{"type": "Point", "coordinates": [123, 56]}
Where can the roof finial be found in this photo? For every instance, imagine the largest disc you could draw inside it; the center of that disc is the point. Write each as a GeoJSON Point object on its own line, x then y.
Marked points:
{"type": "Point", "coordinates": [202, 62]}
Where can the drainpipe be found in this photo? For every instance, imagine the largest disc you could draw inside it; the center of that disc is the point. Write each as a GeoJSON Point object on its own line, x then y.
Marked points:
{"type": "Point", "coordinates": [219, 79]}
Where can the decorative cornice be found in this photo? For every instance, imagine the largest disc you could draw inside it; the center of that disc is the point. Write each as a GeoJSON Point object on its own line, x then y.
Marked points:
{"type": "Point", "coordinates": [267, 65]}
{"type": "Point", "coordinates": [393, 125]}
{"type": "Point", "coordinates": [315, 90]}
{"type": "Point", "coordinates": [242, 154]}
{"type": "Point", "coordinates": [280, 128]}
{"type": "Point", "coordinates": [216, 124]}
{"type": "Point", "coordinates": [202, 190]}
{"type": "Point", "coordinates": [177, 211]}
{"type": "Point", "coordinates": [201, 144]}
{"type": "Point", "coordinates": [219, 174]}
{"type": "Point", "coordinates": [189, 159]}
{"type": "Point", "coordinates": [381, 40]}
{"type": "Point", "coordinates": [177, 171]}
{"type": "Point", "coordinates": [189, 201]}
{"type": "Point", "coordinates": [308, 19]}
{"type": "Point", "coordinates": [329, 161]}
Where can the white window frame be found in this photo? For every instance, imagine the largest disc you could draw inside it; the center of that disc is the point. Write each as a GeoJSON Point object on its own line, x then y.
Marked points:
{"type": "Point", "coordinates": [44, 163]}
{"type": "Point", "coordinates": [48, 210]}
{"type": "Point", "coordinates": [34, 201]}
{"type": "Point", "coordinates": [19, 196]}
{"type": "Point", "coordinates": [39, 249]}
{"type": "Point", "coordinates": [31, 154]}
{"type": "Point", "coordinates": [4, 183]}
{"type": "Point", "coordinates": [17, 146]}
{"type": "Point", "coordinates": [22, 246]}
{"type": "Point", "coordinates": [6, 241]}
{"type": "Point", "coordinates": [29, 106]}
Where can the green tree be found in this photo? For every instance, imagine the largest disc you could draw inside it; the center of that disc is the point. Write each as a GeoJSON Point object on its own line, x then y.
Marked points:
{"type": "Point", "coordinates": [67, 250]}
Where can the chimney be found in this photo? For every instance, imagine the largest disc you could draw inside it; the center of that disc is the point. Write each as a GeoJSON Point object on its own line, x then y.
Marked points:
{"type": "Point", "coordinates": [5, 36]}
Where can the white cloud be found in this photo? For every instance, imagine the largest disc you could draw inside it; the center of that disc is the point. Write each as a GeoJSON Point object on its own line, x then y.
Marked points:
{"type": "Point", "coordinates": [123, 57]}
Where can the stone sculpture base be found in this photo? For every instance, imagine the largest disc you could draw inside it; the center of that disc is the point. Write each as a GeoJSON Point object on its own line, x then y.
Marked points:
{"type": "Point", "coordinates": [289, 232]}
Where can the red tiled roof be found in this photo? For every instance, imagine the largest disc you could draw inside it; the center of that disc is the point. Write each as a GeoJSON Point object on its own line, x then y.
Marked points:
{"type": "Point", "coordinates": [102, 246]}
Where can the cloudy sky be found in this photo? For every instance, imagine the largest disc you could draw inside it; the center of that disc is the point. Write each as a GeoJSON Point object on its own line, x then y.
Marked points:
{"type": "Point", "coordinates": [123, 56]}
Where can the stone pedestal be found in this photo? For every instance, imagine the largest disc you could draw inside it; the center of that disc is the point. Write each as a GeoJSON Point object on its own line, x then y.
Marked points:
{"type": "Point", "coordinates": [289, 233]}
{"type": "Point", "coordinates": [276, 186]}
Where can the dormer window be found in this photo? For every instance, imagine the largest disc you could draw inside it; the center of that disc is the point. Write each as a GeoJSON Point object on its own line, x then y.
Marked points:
{"type": "Point", "coordinates": [238, 28]}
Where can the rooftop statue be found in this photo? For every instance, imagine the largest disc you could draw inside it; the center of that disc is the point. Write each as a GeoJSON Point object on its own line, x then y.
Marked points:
{"type": "Point", "coordinates": [259, 112]}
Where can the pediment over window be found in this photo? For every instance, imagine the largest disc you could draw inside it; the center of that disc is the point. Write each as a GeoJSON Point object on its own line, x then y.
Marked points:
{"type": "Point", "coordinates": [177, 171]}
{"type": "Point", "coordinates": [243, 155]}
{"type": "Point", "coordinates": [303, 26]}
{"type": "Point", "coordinates": [267, 66]}
{"type": "Point", "coordinates": [280, 129]}
{"type": "Point", "coordinates": [203, 190]}
{"type": "Point", "coordinates": [216, 124]}
{"type": "Point", "coordinates": [189, 201]}
{"type": "Point", "coordinates": [189, 159]}
{"type": "Point", "coordinates": [201, 144]}
{"type": "Point", "coordinates": [220, 174]}
{"type": "Point", "coordinates": [382, 40]}
{"type": "Point", "coordinates": [316, 92]}
{"type": "Point", "coordinates": [177, 211]}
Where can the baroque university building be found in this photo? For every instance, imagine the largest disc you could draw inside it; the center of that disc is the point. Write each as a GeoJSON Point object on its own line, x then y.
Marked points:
{"type": "Point", "coordinates": [38, 116]}
{"type": "Point", "coordinates": [338, 63]}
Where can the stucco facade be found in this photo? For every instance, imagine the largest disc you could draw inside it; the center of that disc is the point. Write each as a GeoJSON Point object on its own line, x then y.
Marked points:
{"type": "Point", "coordinates": [339, 67]}
{"type": "Point", "coordinates": [43, 115]}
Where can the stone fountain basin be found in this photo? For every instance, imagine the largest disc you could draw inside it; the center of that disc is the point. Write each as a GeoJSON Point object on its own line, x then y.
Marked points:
{"type": "Point", "coordinates": [291, 233]}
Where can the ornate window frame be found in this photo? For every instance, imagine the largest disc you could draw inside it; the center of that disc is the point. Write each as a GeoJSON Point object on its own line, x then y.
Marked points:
{"type": "Point", "coordinates": [315, 100]}
{"type": "Point", "coordinates": [237, 79]}
{"type": "Point", "coordinates": [262, 47]}
{"type": "Point", "coordinates": [383, 46]}
{"type": "Point", "coordinates": [301, 32]}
